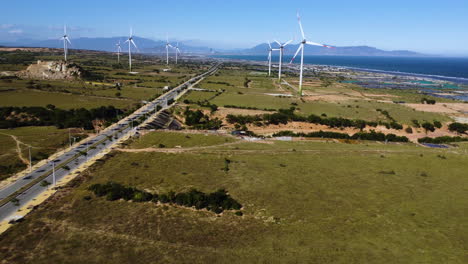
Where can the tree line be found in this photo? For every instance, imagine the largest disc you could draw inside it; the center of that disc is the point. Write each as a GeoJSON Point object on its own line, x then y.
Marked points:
{"type": "Point", "coordinates": [283, 116]}
{"type": "Point", "coordinates": [375, 136]}
{"type": "Point", "coordinates": [216, 202]}
{"type": "Point", "coordinates": [11, 117]}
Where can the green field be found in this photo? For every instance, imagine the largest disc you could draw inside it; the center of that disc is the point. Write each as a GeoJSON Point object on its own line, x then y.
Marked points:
{"type": "Point", "coordinates": [304, 202]}
{"type": "Point", "coordinates": [44, 141]}
{"type": "Point", "coordinates": [355, 107]}
{"type": "Point", "coordinates": [60, 100]}
{"type": "Point", "coordinates": [185, 140]}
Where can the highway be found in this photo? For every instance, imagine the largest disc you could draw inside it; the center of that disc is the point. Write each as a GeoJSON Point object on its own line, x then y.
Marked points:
{"type": "Point", "coordinates": [29, 186]}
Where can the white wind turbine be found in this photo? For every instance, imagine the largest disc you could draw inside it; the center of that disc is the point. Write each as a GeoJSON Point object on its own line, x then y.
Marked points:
{"type": "Point", "coordinates": [281, 49]}
{"type": "Point", "coordinates": [301, 49]}
{"type": "Point", "coordinates": [119, 50]}
{"type": "Point", "coordinates": [270, 50]}
{"type": "Point", "coordinates": [130, 42]}
{"type": "Point", "coordinates": [66, 41]}
{"type": "Point", "coordinates": [167, 49]}
{"type": "Point", "coordinates": [177, 51]}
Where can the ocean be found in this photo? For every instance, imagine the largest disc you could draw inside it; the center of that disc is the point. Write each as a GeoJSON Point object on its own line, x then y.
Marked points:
{"type": "Point", "coordinates": [443, 68]}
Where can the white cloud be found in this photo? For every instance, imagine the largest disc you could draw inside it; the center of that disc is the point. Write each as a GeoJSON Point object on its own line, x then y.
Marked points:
{"type": "Point", "coordinates": [16, 31]}
{"type": "Point", "coordinates": [6, 26]}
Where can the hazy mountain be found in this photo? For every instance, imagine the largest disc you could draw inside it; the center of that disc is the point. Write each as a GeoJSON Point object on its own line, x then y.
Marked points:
{"type": "Point", "coordinates": [109, 44]}
{"type": "Point", "coordinates": [158, 46]}
{"type": "Point", "coordinates": [338, 51]}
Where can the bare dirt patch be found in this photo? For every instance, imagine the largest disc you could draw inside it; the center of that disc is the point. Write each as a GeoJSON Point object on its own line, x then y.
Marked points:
{"type": "Point", "coordinates": [435, 108]}
{"type": "Point", "coordinates": [223, 112]}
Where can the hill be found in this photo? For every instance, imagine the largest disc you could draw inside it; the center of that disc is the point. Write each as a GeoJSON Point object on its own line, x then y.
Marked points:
{"type": "Point", "coordinates": [337, 51]}
{"type": "Point", "coordinates": [146, 45]}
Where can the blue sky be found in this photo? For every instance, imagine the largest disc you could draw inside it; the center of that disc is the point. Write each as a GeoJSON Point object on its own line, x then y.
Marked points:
{"type": "Point", "coordinates": [430, 26]}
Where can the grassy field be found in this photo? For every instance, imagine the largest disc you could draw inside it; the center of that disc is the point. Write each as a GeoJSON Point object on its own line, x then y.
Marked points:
{"type": "Point", "coordinates": [304, 202]}
{"type": "Point", "coordinates": [185, 140]}
{"type": "Point", "coordinates": [354, 102]}
{"type": "Point", "coordinates": [43, 140]}
{"type": "Point", "coordinates": [60, 100]}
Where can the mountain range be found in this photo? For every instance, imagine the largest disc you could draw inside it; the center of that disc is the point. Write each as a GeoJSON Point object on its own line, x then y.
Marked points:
{"type": "Point", "coordinates": [146, 45]}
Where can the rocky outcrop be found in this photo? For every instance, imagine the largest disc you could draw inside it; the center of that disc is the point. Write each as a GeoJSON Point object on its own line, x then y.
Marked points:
{"type": "Point", "coordinates": [52, 70]}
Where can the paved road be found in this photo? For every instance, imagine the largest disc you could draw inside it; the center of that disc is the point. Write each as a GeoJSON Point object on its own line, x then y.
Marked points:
{"type": "Point", "coordinates": [74, 157]}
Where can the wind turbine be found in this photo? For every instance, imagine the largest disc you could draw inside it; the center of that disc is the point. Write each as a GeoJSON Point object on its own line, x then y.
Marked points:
{"type": "Point", "coordinates": [270, 50]}
{"type": "Point", "coordinates": [167, 49]}
{"type": "Point", "coordinates": [66, 41]}
{"type": "Point", "coordinates": [281, 49]}
{"type": "Point", "coordinates": [177, 51]}
{"type": "Point", "coordinates": [130, 42]}
{"type": "Point", "coordinates": [119, 50]}
{"type": "Point", "coordinates": [301, 49]}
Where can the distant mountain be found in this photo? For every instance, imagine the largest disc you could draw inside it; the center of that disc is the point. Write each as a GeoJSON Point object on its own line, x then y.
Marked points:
{"type": "Point", "coordinates": [108, 44]}
{"type": "Point", "coordinates": [158, 46]}
{"type": "Point", "coordinates": [338, 51]}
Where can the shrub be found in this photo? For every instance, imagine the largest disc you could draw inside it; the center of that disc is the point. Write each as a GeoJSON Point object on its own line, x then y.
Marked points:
{"type": "Point", "coordinates": [428, 126]}
{"type": "Point", "coordinates": [458, 127]}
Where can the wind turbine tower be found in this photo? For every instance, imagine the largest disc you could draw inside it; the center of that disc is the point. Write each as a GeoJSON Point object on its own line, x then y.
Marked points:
{"type": "Point", "coordinates": [281, 49]}
{"type": "Point", "coordinates": [119, 50]}
{"type": "Point", "coordinates": [270, 50]}
{"type": "Point", "coordinates": [167, 49]}
{"type": "Point", "coordinates": [177, 51]}
{"type": "Point", "coordinates": [66, 41]}
{"type": "Point", "coordinates": [130, 42]}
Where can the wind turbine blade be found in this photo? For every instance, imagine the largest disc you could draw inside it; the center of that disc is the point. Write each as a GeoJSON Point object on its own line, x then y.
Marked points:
{"type": "Point", "coordinates": [68, 40]}
{"type": "Point", "coordinates": [126, 41]}
{"type": "Point", "coordinates": [65, 29]}
{"type": "Point", "coordinates": [318, 44]}
{"type": "Point", "coordinates": [131, 31]}
{"type": "Point", "coordinates": [300, 25]}
{"type": "Point", "coordinates": [269, 44]}
{"type": "Point", "coordinates": [287, 43]}
{"type": "Point", "coordinates": [297, 52]}
{"type": "Point", "coordinates": [133, 42]}
{"type": "Point", "coordinates": [278, 42]}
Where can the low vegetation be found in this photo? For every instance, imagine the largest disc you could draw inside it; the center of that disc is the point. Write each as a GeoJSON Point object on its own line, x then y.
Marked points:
{"type": "Point", "coordinates": [216, 202]}
{"type": "Point", "coordinates": [375, 136]}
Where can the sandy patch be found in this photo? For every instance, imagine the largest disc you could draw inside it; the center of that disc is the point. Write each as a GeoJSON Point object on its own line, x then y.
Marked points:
{"type": "Point", "coordinates": [435, 108]}
{"type": "Point", "coordinates": [326, 97]}
{"type": "Point", "coordinates": [222, 112]}
{"type": "Point", "coordinates": [305, 127]}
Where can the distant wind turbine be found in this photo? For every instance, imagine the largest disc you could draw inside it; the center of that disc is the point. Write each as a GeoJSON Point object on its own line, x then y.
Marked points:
{"type": "Point", "coordinates": [119, 50]}
{"type": "Point", "coordinates": [130, 42]}
{"type": "Point", "coordinates": [66, 41]}
{"type": "Point", "coordinates": [281, 49]}
{"type": "Point", "coordinates": [270, 50]}
{"type": "Point", "coordinates": [177, 51]}
{"type": "Point", "coordinates": [301, 49]}
{"type": "Point", "coordinates": [167, 49]}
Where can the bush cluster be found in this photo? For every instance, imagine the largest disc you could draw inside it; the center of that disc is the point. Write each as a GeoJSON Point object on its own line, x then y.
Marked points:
{"type": "Point", "coordinates": [249, 107]}
{"type": "Point", "coordinates": [11, 117]}
{"type": "Point", "coordinates": [198, 120]}
{"type": "Point", "coordinates": [441, 140]}
{"type": "Point", "coordinates": [216, 201]}
{"type": "Point", "coordinates": [376, 136]}
{"type": "Point", "coordinates": [283, 116]}
{"type": "Point", "coordinates": [458, 127]}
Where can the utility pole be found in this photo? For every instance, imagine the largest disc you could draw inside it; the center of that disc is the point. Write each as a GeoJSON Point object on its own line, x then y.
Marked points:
{"type": "Point", "coordinates": [53, 173]}
{"type": "Point", "coordinates": [87, 150]}
{"type": "Point", "coordinates": [69, 137]}
{"type": "Point", "coordinates": [30, 160]}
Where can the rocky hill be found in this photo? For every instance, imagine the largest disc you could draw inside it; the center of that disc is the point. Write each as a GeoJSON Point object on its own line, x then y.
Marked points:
{"type": "Point", "coordinates": [52, 70]}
